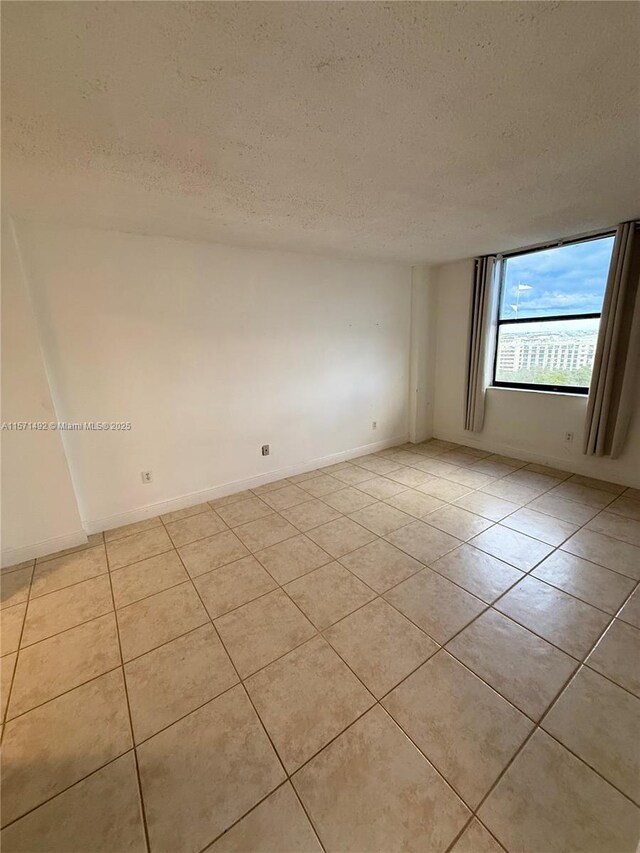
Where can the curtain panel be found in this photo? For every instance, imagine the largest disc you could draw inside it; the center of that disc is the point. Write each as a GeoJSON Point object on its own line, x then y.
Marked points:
{"type": "Point", "coordinates": [614, 381]}
{"type": "Point", "coordinates": [482, 326]}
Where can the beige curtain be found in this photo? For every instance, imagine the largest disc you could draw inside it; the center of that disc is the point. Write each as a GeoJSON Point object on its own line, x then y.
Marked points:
{"type": "Point", "coordinates": [481, 341]}
{"type": "Point", "coordinates": [614, 381]}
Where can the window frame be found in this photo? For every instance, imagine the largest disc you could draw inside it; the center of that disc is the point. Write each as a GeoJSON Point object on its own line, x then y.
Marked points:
{"type": "Point", "coordinates": [533, 386]}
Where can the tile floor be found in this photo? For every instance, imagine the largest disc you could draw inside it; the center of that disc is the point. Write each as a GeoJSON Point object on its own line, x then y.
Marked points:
{"type": "Point", "coordinates": [429, 648]}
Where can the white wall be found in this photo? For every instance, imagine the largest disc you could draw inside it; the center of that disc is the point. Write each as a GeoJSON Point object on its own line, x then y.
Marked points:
{"type": "Point", "coordinates": [39, 510]}
{"type": "Point", "coordinates": [423, 353]}
{"type": "Point", "coordinates": [211, 351]}
{"type": "Point", "coordinates": [528, 424]}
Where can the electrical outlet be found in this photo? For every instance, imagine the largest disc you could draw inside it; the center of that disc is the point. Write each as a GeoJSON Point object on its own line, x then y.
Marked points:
{"type": "Point", "coordinates": [265, 449]}
{"type": "Point", "coordinates": [568, 437]}
{"type": "Point", "coordinates": [374, 424]}
{"type": "Point", "coordinates": [146, 476]}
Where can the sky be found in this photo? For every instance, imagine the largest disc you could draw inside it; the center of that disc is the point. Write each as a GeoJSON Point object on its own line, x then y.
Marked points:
{"type": "Point", "coordinates": [563, 280]}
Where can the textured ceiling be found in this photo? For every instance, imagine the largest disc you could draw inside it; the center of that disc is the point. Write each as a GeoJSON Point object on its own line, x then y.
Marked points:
{"type": "Point", "coordinates": [398, 131]}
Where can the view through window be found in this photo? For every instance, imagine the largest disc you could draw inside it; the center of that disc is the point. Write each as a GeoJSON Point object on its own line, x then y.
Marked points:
{"type": "Point", "coordinates": [549, 315]}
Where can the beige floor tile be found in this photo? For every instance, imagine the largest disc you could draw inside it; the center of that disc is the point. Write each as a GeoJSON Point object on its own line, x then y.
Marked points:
{"type": "Point", "coordinates": [175, 679]}
{"type": "Point", "coordinates": [587, 581]}
{"type": "Point", "coordinates": [122, 552]}
{"type": "Point", "coordinates": [55, 745]}
{"type": "Point", "coordinates": [208, 554]}
{"type": "Point", "coordinates": [195, 527]}
{"type": "Point", "coordinates": [263, 630]}
{"type": "Point", "coordinates": [372, 790]}
{"type": "Point", "coordinates": [546, 469]}
{"type": "Point", "coordinates": [60, 663]}
{"type": "Point", "coordinates": [348, 499]}
{"type": "Point", "coordinates": [244, 511]}
{"type": "Point", "coordinates": [187, 512]}
{"type": "Point", "coordinates": [465, 728]}
{"type": "Point", "coordinates": [410, 477]}
{"type": "Point", "coordinates": [518, 493]}
{"type": "Point", "coordinates": [596, 498]}
{"type": "Point", "coordinates": [476, 839]}
{"type": "Point", "coordinates": [378, 466]}
{"type": "Point", "coordinates": [159, 618]}
{"type": "Point", "coordinates": [382, 488]}
{"type": "Point", "coordinates": [101, 813]}
{"type": "Point", "coordinates": [292, 558]}
{"type": "Point", "coordinates": [11, 620]}
{"type": "Point", "coordinates": [627, 507]}
{"type": "Point", "coordinates": [600, 723]}
{"type": "Point", "coordinates": [492, 468]}
{"type": "Point", "coordinates": [603, 485]}
{"type": "Point", "coordinates": [233, 585]}
{"type": "Point", "coordinates": [550, 801]}
{"type": "Point", "coordinates": [632, 493]}
{"type": "Point", "coordinates": [305, 699]}
{"type": "Point", "coordinates": [273, 486]}
{"type": "Point", "coordinates": [341, 536]}
{"type": "Point", "coordinates": [205, 772]}
{"type": "Point", "coordinates": [525, 669]}
{"type": "Point", "coordinates": [479, 573]}
{"type": "Point", "coordinates": [631, 611]}
{"type": "Point", "coordinates": [605, 551]}
{"type": "Point", "coordinates": [147, 577]}
{"type": "Point", "coordinates": [7, 666]}
{"type": "Point", "coordinates": [277, 825]}
{"type": "Point", "coordinates": [322, 485]}
{"type": "Point", "coordinates": [64, 571]}
{"type": "Point", "coordinates": [14, 568]}
{"type": "Point", "coordinates": [353, 475]}
{"type": "Point", "coordinates": [540, 526]}
{"type": "Point", "coordinates": [457, 522]}
{"type": "Point", "coordinates": [66, 608]}
{"type": "Point", "coordinates": [306, 475]}
{"type": "Point", "coordinates": [93, 539]}
{"type": "Point", "coordinates": [14, 587]}
{"type": "Point", "coordinates": [130, 529]}
{"type": "Point", "coordinates": [468, 477]}
{"type": "Point", "coordinates": [444, 490]}
{"type": "Point", "coordinates": [312, 513]}
{"type": "Point", "coordinates": [227, 500]}
{"type": "Point", "coordinates": [617, 656]}
{"type": "Point", "coordinates": [563, 508]}
{"type": "Point", "coordinates": [328, 594]}
{"type": "Point", "coordinates": [435, 604]}
{"type": "Point", "coordinates": [559, 618]}
{"type": "Point", "coordinates": [380, 518]}
{"type": "Point", "coordinates": [287, 497]}
{"type": "Point", "coordinates": [617, 526]}
{"type": "Point", "coordinates": [380, 645]}
{"type": "Point", "coordinates": [263, 532]}
{"type": "Point", "coordinates": [337, 466]}
{"type": "Point", "coordinates": [526, 477]}
{"type": "Point", "coordinates": [381, 565]}
{"type": "Point", "coordinates": [488, 506]}
{"type": "Point", "coordinates": [422, 541]}
{"type": "Point", "coordinates": [512, 547]}
{"type": "Point", "coordinates": [415, 503]}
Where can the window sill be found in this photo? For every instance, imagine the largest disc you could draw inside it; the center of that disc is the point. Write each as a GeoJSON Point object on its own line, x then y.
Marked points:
{"type": "Point", "coordinates": [538, 391]}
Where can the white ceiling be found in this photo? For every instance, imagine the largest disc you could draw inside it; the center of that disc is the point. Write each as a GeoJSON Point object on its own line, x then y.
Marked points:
{"type": "Point", "coordinates": [397, 131]}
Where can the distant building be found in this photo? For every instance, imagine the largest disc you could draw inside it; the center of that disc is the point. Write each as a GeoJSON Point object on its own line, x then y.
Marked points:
{"type": "Point", "coordinates": [548, 350]}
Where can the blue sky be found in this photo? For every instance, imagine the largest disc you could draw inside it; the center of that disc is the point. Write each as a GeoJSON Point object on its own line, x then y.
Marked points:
{"type": "Point", "coordinates": [563, 280]}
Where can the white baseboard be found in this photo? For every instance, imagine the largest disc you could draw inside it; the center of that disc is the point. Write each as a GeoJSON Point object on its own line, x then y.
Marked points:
{"type": "Point", "coordinates": [13, 556]}
{"type": "Point", "coordinates": [588, 466]}
{"type": "Point", "coordinates": [141, 513]}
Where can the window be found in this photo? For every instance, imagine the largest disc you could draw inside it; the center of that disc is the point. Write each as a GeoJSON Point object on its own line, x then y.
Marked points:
{"type": "Point", "coordinates": [549, 314]}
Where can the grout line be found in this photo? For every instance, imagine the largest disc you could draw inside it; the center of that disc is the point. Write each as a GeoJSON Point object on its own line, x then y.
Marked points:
{"type": "Point", "coordinates": [133, 739]}
{"type": "Point", "coordinates": [15, 663]}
